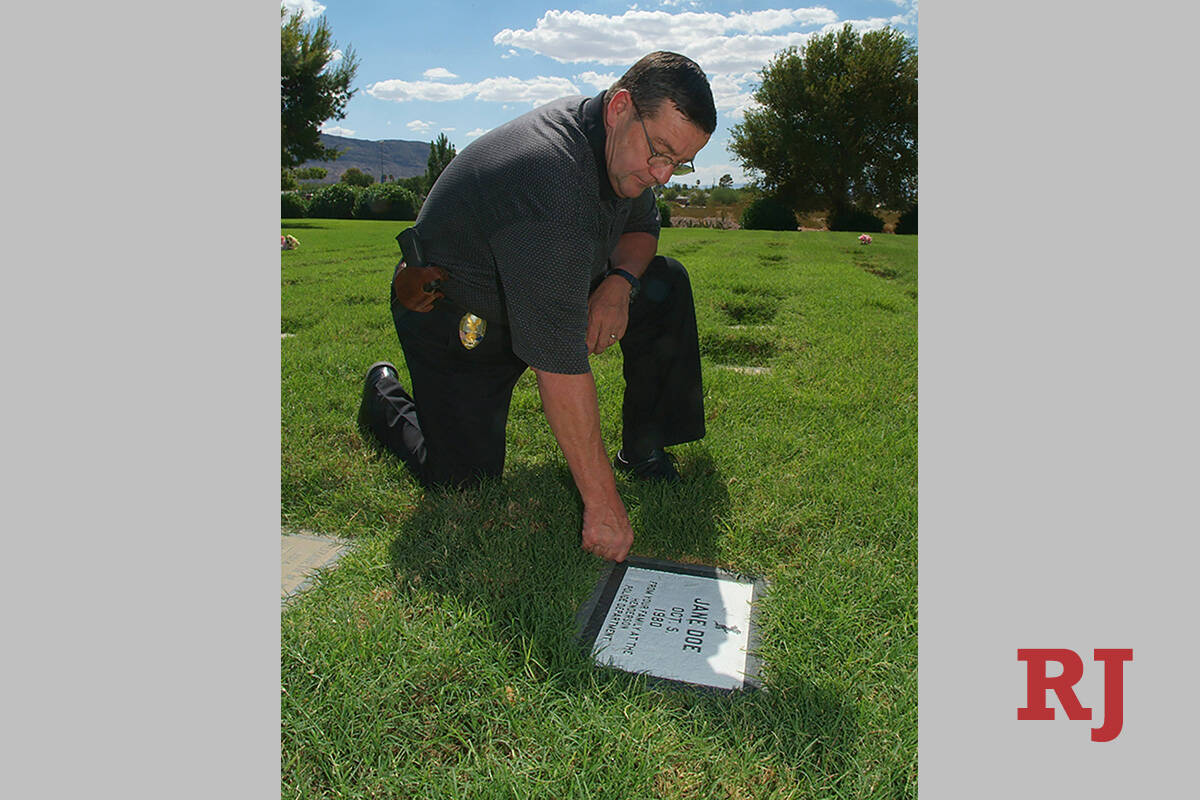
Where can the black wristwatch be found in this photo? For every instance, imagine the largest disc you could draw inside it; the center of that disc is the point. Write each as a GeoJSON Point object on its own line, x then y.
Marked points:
{"type": "Point", "coordinates": [633, 281]}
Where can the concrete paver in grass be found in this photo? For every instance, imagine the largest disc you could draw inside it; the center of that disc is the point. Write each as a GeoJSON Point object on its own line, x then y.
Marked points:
{"type": "Point", "coordinates": [745, 370]}
{"type": "Point", "coordinates": [303, 555]}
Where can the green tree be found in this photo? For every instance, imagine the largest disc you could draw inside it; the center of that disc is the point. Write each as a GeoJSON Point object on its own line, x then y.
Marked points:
{"type": "Point", "coordinates": [440, 154]}
{"type": "Point", "coordinates": [723, 196]}
{"type": "Point", "coordinates": [312, 88]}
{"type": "Point", "coordinates": [311, 173]}
{"type": "Point", "coordinates": [356, 177]}
{"type": "Point", "coordinates": [415, 184]}
{"type": "Point", "coordinates": [726, 181]}
{"type": "Point", "coordinates": [837, 127]}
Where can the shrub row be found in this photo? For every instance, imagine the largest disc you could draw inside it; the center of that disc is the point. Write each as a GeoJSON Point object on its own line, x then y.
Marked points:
{"type": "Point", "coordinates": [854, 219]}
{"type": "Point", "coordinates": [386, 201]}
{"type": "Point", "coordinates": [393, 201]}
{"type": "Point", "coordinates": [340, 201]}
{"type": "Point", "coordinates": [720, 223]}
{"type": "Point", "coordinates": [769, 214]}
{"type": "Point", "coordinates": [907, 222]}
{"type": "Point", "coordinates": [293, 205]}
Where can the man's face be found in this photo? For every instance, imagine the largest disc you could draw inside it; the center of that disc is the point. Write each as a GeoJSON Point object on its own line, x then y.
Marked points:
{"type": "Point", "coordinates": [626, 151]}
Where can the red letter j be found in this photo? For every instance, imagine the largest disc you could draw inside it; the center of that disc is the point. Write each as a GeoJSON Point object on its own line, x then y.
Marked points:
{"type": "Point", "coordinates": [1114, 693]}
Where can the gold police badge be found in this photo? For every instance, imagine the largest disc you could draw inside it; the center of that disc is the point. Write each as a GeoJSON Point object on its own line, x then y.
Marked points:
{"type": "Point", "coordinates": [471, 330]}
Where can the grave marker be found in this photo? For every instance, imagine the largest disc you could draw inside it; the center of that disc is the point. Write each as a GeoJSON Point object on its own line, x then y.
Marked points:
{"type": "Point", "coordinates": [686, 623]}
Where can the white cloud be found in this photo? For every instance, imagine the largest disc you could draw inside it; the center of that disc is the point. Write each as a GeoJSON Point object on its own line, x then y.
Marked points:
{"type": "Point", "coordinates": [736, 42]}
{"type": "Point", "coordinates": [596, 80]}
{"type": "Point", "coordinates": [477, 132]}
{"type": "Point", "coordinates": [497, 90]}
{"type": "Point", "coordinates": [336, 130]}
{"type": "Point", "coordinates": [449, 130]}
{"type": "Point", "coordinates": [731, 48]}
{"type": "Point", "coordinates": [515, 90]}
{"type": "Point", "coordinates": [418, 90]}
{"type": "Point", "coordinates": [733, 92]}
{"type": "Point", "coordinates": [909, 17]}
{"type": "Point", "coordinates": [308, 8]}
{"type": "Point", "coordinates": [335, 56]}
{"type": "Point", "coordinates": [420, 126]}
{"type": "Point", "coordinates": [709, 174]}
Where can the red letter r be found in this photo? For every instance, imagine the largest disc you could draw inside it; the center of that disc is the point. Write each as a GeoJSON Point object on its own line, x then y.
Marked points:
{"type": "Point", "coordinates": [1037, 683]}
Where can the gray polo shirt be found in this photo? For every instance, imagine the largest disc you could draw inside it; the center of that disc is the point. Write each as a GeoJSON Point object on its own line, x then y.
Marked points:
{"type": "Point", "coordinates": [524, 219]}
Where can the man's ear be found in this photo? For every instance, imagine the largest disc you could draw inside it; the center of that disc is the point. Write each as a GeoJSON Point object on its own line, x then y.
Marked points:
{"type": "Point", "coordinates": [618, 105]}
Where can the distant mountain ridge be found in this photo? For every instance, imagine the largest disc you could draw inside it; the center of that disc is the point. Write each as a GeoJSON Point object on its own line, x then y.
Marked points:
{"type": "Point", "coordinates": [398, 157]}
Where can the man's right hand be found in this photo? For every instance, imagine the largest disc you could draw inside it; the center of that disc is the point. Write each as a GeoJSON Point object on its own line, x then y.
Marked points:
{"type": "Point", "coordinates": [606, 529]}
{"type": "Point", "coordinates": [409, 287]}
{"type": "Point", "coordinates": [573, 412]}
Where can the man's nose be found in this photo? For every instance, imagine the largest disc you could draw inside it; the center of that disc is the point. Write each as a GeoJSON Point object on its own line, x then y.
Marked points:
{"type": "Point", "coordinates": [662, 174]}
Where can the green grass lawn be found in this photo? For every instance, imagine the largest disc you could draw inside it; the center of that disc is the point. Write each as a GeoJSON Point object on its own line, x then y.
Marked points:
{"type": "Point", "coordinates": [438, 660]}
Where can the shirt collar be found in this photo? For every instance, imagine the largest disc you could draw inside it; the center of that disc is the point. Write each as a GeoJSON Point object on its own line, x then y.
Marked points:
{"type": "Point", "coordinates": [593, 128]}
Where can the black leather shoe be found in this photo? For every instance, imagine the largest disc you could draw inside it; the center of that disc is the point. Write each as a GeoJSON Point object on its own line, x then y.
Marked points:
{"type": "Point", "coordinates": [378, 370]}
{"type": "Point", "coordinates": [658, 466]}
{"type": "Point", "coordinates": [374, 373]}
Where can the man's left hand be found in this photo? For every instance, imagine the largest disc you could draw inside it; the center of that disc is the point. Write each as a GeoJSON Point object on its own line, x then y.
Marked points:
{"type": "Point", "coordinates": [608, 313]}
{"type": "Point", "coordinates": [408, 287]}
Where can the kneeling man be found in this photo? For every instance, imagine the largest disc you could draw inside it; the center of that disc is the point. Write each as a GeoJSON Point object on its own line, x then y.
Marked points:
{"type": "Point", "coordinates": [539, 246]}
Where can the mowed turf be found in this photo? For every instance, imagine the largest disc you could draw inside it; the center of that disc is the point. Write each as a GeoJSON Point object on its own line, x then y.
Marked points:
{"type": "Point", "coordinates": [438, 659]}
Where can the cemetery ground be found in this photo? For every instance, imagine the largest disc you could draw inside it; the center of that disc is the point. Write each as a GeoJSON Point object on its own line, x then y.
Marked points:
{"type": "Point", "coordinates": [438, 659]}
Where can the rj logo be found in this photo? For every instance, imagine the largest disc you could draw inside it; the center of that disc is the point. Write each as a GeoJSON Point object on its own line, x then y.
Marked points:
{"type": "Point", "coordinates": [1038, 684]}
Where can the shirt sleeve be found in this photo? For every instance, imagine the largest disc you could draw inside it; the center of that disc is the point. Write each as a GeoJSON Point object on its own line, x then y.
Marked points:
{"type": "Point", "coordinates": [545, 275]}
{"type": "Point", "coordinates": [643, 215]}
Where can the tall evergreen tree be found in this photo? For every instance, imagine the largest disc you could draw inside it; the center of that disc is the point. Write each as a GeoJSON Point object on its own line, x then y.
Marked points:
{"type": "Point", "coordinates": [440, 154]}
{"type": "Point", "coordinates": [313, 87]}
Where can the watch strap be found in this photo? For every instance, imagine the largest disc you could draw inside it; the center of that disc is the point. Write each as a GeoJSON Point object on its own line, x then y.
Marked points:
{"type": "Point", "coordinates": [629, 276]}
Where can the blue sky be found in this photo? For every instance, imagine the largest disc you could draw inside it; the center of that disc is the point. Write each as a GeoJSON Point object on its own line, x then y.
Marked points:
{"type": "Point", "coordinates": [465, 66]}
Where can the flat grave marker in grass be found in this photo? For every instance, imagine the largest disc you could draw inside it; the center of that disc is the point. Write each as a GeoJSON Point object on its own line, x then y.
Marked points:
{"type": "Point", "coordinates": [685, 623]}
{"type": "Point", "coordinates": [302, 556]}
{"type": "Point", "coordinates": [745, 370]}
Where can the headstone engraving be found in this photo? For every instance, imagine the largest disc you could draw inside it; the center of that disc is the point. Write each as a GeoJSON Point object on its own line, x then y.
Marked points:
{"type": "Point", "coordinates": [686, 623]}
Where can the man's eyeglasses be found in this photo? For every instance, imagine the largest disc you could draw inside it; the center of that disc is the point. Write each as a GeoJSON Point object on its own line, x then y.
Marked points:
{"type": "Point", "coordinates": [659, 160]}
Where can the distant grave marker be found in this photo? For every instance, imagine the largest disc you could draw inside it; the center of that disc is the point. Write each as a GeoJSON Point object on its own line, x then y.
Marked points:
{"type": "Point", "coordinates": [303, 556]}
{"type": "Point", "coordinates": [686, 623]}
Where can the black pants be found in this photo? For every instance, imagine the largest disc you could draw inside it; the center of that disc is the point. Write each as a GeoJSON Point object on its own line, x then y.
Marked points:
{"type": "Point", "coordinates": [451, 431]}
